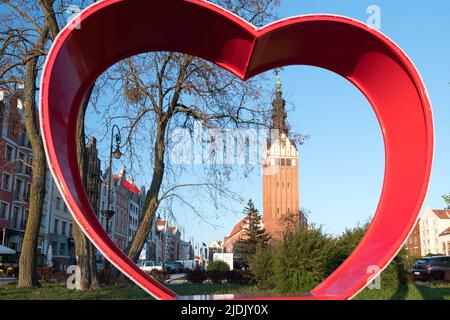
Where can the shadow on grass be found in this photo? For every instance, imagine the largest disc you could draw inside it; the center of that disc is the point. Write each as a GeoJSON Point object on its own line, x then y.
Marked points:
{"type": "Point", "coordinates": [401, 292]}
{"type": "Point", "coordinates": [438, 292]}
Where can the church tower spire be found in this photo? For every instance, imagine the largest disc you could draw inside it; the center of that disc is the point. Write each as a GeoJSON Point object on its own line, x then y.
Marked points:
{"type": "Point", "coordinates": [281, 208]}
{"type": "Point", "coordinates": [279, 114]}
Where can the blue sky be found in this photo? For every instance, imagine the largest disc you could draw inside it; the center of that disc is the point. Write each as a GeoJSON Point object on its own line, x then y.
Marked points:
{"type": "Point", "coordinates": [342, 165]}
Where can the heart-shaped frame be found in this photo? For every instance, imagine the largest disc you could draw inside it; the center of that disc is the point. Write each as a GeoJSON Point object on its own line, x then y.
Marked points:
{"type": "Point", "coordinates": [112, 30]}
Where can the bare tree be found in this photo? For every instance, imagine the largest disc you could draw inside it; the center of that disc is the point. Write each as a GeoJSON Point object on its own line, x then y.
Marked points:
{"type": "Point", "coordinates": [26, 32]}
{"type": "Point", "coordinates": [164, 91]}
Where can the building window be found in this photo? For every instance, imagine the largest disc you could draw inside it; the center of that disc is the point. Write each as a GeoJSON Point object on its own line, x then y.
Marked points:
{"type": "Point", "coordinates": [283, 162]}
{"type": "Point", "coordinates": [62, 249]}
{"type": "Point", "coordinates": [70, 230]}
{"type": "Point", "coordinates": [63, 228]}
{"type": "Point", "coordinates": [288, 162]}
{"type": "Point", "coordinates": [12, 127]}
{"type": "Point", "coordinates": [18, 190]}
{"type": "Point", "coordinates": [21, 161]}
{"type": "Point", "coordinates": [65, 208]}
{"type": "Point", "coordinates": [6, 181]}
{"type": "Point", "coordinates": [56, 226]}
{"type": "Point", "coordinates": [15, 217]}
{"type": "Point", "coordinates": [9, 152]}
{"type": "Point", "coordinates": [24, 219]}
{"type": "Point", "coordinates": [54, 245]}
{"type": "Point", "coordinates": [4, 210]}
{"type": "Point", "coordinates": [293, 162]}
{"type": "Point", "coordinates": [27, 192]}
{"type": "Point", "coordinates": [28, 167]}
{"type": "Point", "coordinates": [58, 203]}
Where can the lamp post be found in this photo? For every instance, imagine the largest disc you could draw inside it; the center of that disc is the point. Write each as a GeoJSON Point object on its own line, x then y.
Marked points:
{"type": "Point", "coordinates": [3, 237]}
{"type": "Point", "coordinates": [108, 213]}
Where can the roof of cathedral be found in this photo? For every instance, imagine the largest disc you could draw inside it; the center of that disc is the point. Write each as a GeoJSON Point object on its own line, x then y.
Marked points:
{"type": "Point", "coordinates": [237, 228]}
{"type": "Point", "coordinates": [279, 114]}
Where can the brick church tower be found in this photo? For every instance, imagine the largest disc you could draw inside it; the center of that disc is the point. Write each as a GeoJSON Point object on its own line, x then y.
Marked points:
{"type": "Point", "coordinates": [280, 173]}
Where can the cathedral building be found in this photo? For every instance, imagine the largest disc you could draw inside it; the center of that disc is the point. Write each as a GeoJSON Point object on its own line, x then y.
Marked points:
{"type": "Point", "coordinates": [281, 209]}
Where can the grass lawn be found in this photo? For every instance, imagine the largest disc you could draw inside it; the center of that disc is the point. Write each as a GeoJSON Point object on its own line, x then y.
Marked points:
{"type": "Point", "coordinates": [410, 292]}
{"type": "Point", "coordinates": [60, 292]}
{"type": "Point", "coordinates": [123, 292]}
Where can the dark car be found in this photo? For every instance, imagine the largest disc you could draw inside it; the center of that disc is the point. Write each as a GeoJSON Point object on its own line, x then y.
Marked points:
{"type": "Point", "coordinates": [173, 267]}
{"type": "Point", "coordinates": [431, 268]}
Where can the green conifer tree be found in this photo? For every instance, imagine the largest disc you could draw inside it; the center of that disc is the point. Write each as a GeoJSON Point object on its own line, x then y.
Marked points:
{"type": "Point", "coordinates": [255, 236]}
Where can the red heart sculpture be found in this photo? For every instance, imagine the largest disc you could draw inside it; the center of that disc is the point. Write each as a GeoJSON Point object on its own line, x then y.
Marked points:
{"type": "Point", "coordinates": [112, 30]}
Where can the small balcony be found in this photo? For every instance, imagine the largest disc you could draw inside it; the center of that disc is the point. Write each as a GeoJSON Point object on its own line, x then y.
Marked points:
{"type": "Point", "coordinates": [23, 168]}
{"type": "Point", "coordinates": [22, 197]}
{"type": "Point", "coordinates": [23, 142]}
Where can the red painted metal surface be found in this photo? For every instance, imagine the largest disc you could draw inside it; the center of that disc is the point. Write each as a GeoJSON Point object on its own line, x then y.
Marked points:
{"type": "Point", "coordinates": [112, 30]}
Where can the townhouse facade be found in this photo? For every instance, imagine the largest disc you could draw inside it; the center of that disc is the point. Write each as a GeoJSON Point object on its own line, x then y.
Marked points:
{"type": "Point", "coordinates": [165, 243]}
{"type": "Point", "coordinates": [444, 241]}
{"type": "Point", "coordinates": [413, 245]}
{"type": "Point", "coordinates": [433, 224]}
{"type": "Point", "coordinates": [15, 170]}
{"type": "Point", "coordinates": [56, 230]}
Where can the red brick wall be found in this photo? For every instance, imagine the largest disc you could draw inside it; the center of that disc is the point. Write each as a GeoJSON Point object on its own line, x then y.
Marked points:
{"type": "Point", "coordinates": [280, 197]}
{"type": "Point", "coordinates": [413, 243]}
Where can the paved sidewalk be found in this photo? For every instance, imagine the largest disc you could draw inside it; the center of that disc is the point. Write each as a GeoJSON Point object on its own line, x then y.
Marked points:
{"type": "Point", "coordinates": [4, 281]}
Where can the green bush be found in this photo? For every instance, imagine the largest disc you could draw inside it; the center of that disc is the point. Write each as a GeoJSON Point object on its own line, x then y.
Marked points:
{"type": "Point", "coordinates": [217, 276]}
{"type": "Point", "coordinates": [345, 245]}
{"type": "Point", "coordinates": [218, 266]}
{"type": "Point", "coordinates": [306, 257]}
{"type": "Point", "coordinates": [301, 260]}
{"type": "Point", "coordinates": [396, 274]}
{"type": "Point", "coordinates": [239, 277]}
{"type": "Point", "coordinates": [262, 268]}
{"type": "Point", "coordinates": [196, 276]}
{"type": "Point", "coordinates": [217, 271]}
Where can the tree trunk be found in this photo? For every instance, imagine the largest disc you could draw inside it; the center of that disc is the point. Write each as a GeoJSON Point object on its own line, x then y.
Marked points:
{"type": "Point", "coordinates": [152, 201]}
{"type": "Point", "coordinates": [84, 250]}
{"type": "Point", "coordinates": [28, 256]}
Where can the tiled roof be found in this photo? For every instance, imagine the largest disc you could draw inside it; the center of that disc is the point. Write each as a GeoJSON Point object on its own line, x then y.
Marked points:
{"type": "Point", "coordinates": [442, 214]}
{"type": "Point", "coordinates": [445, 232]}
{"type": "Point", "coordinates": [128, 184]}
{"type": "Point", "coordinates": [237, 228]}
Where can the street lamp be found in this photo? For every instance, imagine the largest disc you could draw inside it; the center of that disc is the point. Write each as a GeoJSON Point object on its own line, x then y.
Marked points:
{"type": "Point", "coordinates": [160, 228]}
{"type": "Point", "coordinates": [108, 213]}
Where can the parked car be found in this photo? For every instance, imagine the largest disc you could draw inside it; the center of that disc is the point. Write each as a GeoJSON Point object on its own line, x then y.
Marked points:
{"type": "Point", "coordinates": [431, 268]}
{"type": "Point", "coordinates": [173, 267]}
{"type": "Point", "coordinates": [187, 264]}
{"type": "Point", "coordinates": [148, 266]}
